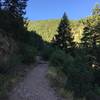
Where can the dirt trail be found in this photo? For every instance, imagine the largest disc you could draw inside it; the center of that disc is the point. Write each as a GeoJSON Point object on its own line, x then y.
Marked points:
{"type": "Point", "coordinates": [35, 85]}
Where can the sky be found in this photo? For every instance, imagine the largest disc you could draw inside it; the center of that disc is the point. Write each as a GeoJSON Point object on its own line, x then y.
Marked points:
{"type": "Point", "coordinates": [54, 9]}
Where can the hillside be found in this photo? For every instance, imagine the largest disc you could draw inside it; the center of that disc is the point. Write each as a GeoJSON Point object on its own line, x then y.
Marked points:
{"type": "Point", "coordinates": [45, 28]}
{"type": "Point", "coordinates": [48, 28]}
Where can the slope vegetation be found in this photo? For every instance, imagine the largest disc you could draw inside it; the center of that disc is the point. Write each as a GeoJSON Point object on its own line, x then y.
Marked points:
{"type": "Point", "coordinates": [48, 28]}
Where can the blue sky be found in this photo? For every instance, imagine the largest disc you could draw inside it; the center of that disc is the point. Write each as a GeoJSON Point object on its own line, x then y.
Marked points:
{"type": "Point", "coordinates": [53, 9]}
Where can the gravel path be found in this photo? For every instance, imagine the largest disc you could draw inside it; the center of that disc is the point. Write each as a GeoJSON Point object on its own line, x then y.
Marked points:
{"type": "Point", "coordinates": [35, 86]}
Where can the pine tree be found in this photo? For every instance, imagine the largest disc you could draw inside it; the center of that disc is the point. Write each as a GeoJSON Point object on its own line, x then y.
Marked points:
{"type": "Point", "coordinates": [16, 11]}
{"type": "Point", "coordinates": [91, 33]}
{"type": "Point", "coordinates": [0, 5]}
{"type": "Point", "coordinates": [16, 7]}
{"type": "Point", "coordinates": [96, 9]}
{"type": "Point", "coordinates": [64, 39]}
{"type": "Point", "coordinates": [87, 37]}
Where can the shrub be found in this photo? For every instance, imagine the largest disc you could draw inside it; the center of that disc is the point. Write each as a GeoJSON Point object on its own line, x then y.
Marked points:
{"type": "Point", "coordinates": [10, 63]}
{"type": "Point", "coordinates": [92, 95]}
{"type": "Point", "coordinates": [68, 63]}
{"type": "Point", "coordinates": [80, 77]}
{"type": "Point", "coordinates": [47, 52]}
{"type": "Point", "coordinates": [28, 53]}
{"type": "Point", "coordinates": [32, 38]}
{"type": "Point", "coordinates": [3, 86]}
{"type": "Point", "coordinates": [58, 58]}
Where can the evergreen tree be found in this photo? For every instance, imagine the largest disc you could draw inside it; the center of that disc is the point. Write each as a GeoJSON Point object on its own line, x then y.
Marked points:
{"type": "Point", "coordinates": [16, 11]}
{"type": "Point", "coordinates": [91, 39]}
{"type": "Point", "coordinates": [91, 32]}
{"type": "Point", "coordinates": [0, 4]}
{"type": "Point", "coordinates": [87, 37]}
{"type": "Point", "coordinates": [16, 7]}
{"type": "Point", "coordinates": [64, 38]}
{"type": "Point", "coordinates": [96, 9]}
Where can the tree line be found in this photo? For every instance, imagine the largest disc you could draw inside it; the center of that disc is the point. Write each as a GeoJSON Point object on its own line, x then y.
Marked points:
{"type": "Point", "coordinates": [90, 36]}
{"type": "Point", "coordinates": [80, 62]}
{"type": "Point", "coordinates": [12, 17]}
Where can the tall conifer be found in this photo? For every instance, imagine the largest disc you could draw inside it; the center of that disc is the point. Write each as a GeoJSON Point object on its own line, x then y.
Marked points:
{"type": "Point", "coordinates": [64, 39]}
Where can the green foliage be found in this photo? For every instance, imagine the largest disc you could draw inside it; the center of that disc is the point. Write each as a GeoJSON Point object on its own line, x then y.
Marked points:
{"type": "Point", "coordinates": [45, 28]}
{"type": "Point", "coordinates": [10, 63]}
{"type": "Point", "coordinates": [14, 25]}
{"type": "Point", "coordinates": [91, 95]}
{"type": "Point", "coordinates": [28, 53]}
{"type": "Point", "coordinates": [4, 83]}
{"type": "Point", "coordinates": [47, 52]}
{"type": "Point", "coordinates": [91, 32]}
{"type": "Point", "coordinates": [68, 63]}
{"type": "Point", "coordinates": [58, 58]}
{"type": "Point", "coordinates": [96, 9]}
{"type": "Point", "coordinates": [80, 77]}
{"type": "Point", "coordinates": [11, 18]}
{"type": "Point", "coordinates": [94, 95]}
{"type": "Point", "coordinates": [64, 39]}
{"type": "Point", "coordinates": [35, 40]}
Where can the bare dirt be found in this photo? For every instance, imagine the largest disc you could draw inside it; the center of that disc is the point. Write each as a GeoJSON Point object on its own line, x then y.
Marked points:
{"type": "Point", "coordinates": [35, 86]}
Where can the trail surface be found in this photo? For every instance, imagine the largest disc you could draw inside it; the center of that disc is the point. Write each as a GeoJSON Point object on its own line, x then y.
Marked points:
{"type": "Point", "coordinates": [35, 85]}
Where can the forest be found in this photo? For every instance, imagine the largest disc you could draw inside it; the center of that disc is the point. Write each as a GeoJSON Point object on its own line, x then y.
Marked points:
{"type": "Point", "coordinates": [74, 51]}
{"type": "Point", "coordinates": [71, 48]}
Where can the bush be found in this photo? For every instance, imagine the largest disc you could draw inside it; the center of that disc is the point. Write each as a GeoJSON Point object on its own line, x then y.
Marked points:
{"type": "Point", "coordinates": [11, 62]}
{"type": "Point", "coordinates": [32, 38]}
{"type": "Point", "coordinates": [28, 53]}
{"type": "Point", "coordinates": [68, 63]}
{"type": "Point", "coordinates": [92, 95]}
{"type": "Point", "coordinates": [80, 77]}
{"type": "Point", "coordinates": [47, 52]}
{"type": "Point", "coordinates": [3, 86]}
{"type": "Point", "coordinates": [58, 58]}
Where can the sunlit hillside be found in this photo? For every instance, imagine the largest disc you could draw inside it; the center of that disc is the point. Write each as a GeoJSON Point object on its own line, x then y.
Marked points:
{"type": "Point", "coordinates": [48, 28]}
{"type": "Point", "coordinates": [45, 28]}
